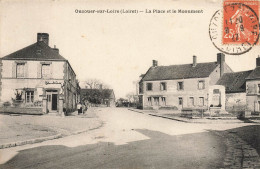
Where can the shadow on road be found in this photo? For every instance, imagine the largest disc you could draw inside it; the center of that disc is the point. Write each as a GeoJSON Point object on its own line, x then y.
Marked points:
{"type": "Point", "coordinates": [200, 150]}
{"type": "Point", "coordinates": [250, 134]}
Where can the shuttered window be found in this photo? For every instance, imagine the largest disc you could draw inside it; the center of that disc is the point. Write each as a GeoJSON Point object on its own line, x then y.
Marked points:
{"type": "Point", "coordinates": [20, 70]}
{"type": "Point", "coordinates": [46, 70]}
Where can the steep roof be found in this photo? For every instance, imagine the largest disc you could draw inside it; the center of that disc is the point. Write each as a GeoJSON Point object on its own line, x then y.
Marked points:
{"type": "Point", "coordinates": [255, 74]}
{"type": "Point", "coordinates": [180, 71]}
{"type": "Point", "coordinates": [36, 51]}
{"type": "Point", "coordinates": [234, 82]}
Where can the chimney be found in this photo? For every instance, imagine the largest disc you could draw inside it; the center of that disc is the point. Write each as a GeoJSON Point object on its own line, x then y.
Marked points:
{"type": "Point", "coordinates": [43, 37]}
{"type": "Point", "coordinates": [194, 61]}
{"type": "Point", "coordinates": [155, 63]}
{"type": "Point", "coordinates": [55, 49]}
{"type": "Point", "coordinates": [258, 61]}
{"type": "Point", "coordinates": [221, 60]}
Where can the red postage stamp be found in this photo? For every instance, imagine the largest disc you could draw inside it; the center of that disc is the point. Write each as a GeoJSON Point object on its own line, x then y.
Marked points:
{"type": "Point", "coordinates": [240, 22]}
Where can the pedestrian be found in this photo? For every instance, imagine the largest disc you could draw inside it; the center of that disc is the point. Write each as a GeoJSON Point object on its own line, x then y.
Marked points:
{"type": "Point", "coordinates": [83, 108]}
{"type": "Point", "coordinates": [79, 107]}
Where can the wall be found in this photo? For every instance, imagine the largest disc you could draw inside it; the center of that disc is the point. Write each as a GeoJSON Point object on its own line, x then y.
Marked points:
{"type": "Point", "coordinates": [253, 95]}
{"type": "Point", "coordinates": [32, 80]}
{"type": "Point", "coordinates": [235, 102]}
{"type": "Point", "coordinates": [172, 94]}
{"type": "Point", "coordinates": [33, 69]}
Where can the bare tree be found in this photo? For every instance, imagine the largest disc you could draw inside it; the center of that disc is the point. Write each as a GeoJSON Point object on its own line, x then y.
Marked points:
{"type": "Point", "coordinates": [94, 84]}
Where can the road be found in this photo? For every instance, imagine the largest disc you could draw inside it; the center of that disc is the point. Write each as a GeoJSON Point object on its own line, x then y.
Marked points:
{"type": "Point", "coordinates": [127, 140]}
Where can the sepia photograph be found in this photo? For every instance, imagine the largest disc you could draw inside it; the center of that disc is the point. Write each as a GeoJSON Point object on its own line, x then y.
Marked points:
{"type": "Point", "coordinates": [120, 84]}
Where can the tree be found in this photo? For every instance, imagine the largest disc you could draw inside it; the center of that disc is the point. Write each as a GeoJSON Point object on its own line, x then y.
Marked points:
{"type": "Point", "coordinates": [93, 83]}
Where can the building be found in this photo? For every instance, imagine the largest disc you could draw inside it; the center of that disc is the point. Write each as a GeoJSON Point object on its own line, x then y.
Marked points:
{"type": "Point", "coordinates": [38, 78]}
{"type": "Point", "coordinates": [235, 89]}
{"type": "Point", "coordinates": [243, 90]}
{"type": "Point", "coordinates": [99, 96]}
{"type": "Point", "coordinates": [184, 86]}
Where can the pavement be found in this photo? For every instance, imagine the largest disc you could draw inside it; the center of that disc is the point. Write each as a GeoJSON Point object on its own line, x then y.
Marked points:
{"type": "Point", "coordinates": [17, 130]}
{"type": "Point", "coordinates": [135, 140]}
{"type": "Point", "coordinates": [168, 114]}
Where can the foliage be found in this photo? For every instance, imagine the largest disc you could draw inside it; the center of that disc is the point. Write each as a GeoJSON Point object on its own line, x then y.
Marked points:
{"type": "Point", "coordinates": [96, 96]}
{"type": "Point", "coordinates": [18, 95]}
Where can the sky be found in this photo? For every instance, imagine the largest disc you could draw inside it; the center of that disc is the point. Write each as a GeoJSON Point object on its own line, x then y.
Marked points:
{"type": "Point", "coordinates": [116, 48]}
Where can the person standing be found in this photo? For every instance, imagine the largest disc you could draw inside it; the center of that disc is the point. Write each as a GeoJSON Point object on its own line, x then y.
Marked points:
{"type": "Point", "coordinates": [79, 107]}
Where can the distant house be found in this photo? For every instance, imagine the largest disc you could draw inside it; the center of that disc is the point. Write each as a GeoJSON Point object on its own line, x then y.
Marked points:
{"type": "Point", "coordinates": [235, 88]}
{"type": "Point", "coordinates": [38, 78]}
{"type": "Point", "coordinates": [242, 89]}
{"type": "Point", "coordinates": [98, 96]}
{"type": "Point", "coordinates": [184, 86]}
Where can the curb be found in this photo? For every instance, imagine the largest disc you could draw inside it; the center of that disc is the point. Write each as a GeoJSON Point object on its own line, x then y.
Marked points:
{"type": "Point", "coordinates": [184, 120]}
{"type": "Point", "coordinates": [31, 141]}
{"type": "Point", "coordinates": [42, 139]}
{"type": "Point", "coordinates": [170, 118]}
{"type": "Point", "coordinates": [194, 121]}
{"type": "Point", "coordinates": [136, 111]}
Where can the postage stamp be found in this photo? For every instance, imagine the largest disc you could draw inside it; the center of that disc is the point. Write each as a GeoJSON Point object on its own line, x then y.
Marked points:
{"type": "Point", "coordinates": [240, 22]}
{"type": "Point", "coordinates": [234, 30]}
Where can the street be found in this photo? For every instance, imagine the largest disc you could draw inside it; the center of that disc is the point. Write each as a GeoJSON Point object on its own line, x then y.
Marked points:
{"type": "Point", "coordinates": [127, 139]}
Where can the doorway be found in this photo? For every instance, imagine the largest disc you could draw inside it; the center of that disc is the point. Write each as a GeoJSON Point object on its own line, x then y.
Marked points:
{"type": "Point", "coordinates": [52, 100]}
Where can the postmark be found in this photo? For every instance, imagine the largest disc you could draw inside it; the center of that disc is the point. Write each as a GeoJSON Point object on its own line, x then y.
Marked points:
{"type": "Point", "coordinates": [234, 30]}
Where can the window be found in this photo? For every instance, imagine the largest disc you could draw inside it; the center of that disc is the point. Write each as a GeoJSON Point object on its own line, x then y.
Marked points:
{"type": "Point", "coordinates": [258, 88]}
{"type": "Point", "coordinates": [140, 88]}
{"type": "Point", "coordinates": [201, 84]}
{"type": "Point", "coordinates": [156, 101]}
{"type": "Point", "coordinates": [46, 70]}
{"type": "Point", "coordinates": [149, 86]}
{"type": "Point", "coordinates": [149, 99]}
{"type": "Point", "coordinates": [201, 101]}
{"type": "Point", "coordinates": [180, 86]}
{"type": "Point", "coordinates": [216, 91]}
{"type": "Point", "coordinates": [180, 101]}
{"type": "Point", "coordinates": [191, 101]}
{"type": "Point", "coordinates": [163, 101]}
{"type": "Point", "coordinates": [29, 96]}
{"type": "Point", "coordinates": [20, 70]}
{"type": "Point", "coordinates": [163, 86]}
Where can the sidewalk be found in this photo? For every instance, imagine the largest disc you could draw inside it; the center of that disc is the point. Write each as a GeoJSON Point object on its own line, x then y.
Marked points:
{"type": "Point", "coordinates": [16, 130]}
{"type": "Point", "coordinates": [169, 115]}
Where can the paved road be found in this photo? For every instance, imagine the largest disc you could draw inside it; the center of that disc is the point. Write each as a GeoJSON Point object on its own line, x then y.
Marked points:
{"type": "Point", "coordinates": [128, 140]}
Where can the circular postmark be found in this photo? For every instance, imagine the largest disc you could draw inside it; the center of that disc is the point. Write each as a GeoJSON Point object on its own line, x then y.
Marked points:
{"type": "Point", "coordinates": [235, 29]}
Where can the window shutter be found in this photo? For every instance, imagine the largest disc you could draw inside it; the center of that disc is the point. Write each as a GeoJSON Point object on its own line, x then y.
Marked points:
{"type": "Point", "coordinates": [255, 87]}
{"type": "Point", "coordinates": [39, 70]}
{"type": "Point", "coordinates": [26, 70]}
{"type": "Point", "coordinates": [51, 71]}
{"type": "Point", "coordinates": [14, 70]}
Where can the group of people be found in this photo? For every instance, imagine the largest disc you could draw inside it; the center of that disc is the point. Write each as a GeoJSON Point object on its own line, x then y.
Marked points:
{"type": "Point", "coordinates": [81, 108]}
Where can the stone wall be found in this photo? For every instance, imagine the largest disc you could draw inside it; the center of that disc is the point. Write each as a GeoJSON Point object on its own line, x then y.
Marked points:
{"type": "Point", "coordinates": [235, 102]}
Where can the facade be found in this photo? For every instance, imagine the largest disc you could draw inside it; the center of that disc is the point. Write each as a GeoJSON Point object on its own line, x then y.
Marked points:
{"type": "Point", "coordinates": [184, 86]}
{"type": "Point", "coordinates": [38, 77]}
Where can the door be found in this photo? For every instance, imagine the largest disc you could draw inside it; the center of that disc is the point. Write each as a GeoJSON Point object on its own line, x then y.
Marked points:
{"type": "Point", "coordinates": [54, 102]}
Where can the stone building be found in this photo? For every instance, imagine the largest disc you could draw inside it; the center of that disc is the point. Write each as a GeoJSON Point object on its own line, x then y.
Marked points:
{"type": "Point", "coordinates": [184, 86]}
{"type": "Point", "coordinates": [243, 90]}
{"type": "Point", "coordinates": [38, 78]}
